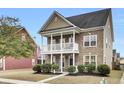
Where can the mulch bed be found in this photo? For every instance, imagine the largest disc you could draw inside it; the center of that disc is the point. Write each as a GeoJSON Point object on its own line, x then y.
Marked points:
{"type": "Point", "coordinates": [87, 74]}
{"type": "Point", "coordinates": [47, 73]}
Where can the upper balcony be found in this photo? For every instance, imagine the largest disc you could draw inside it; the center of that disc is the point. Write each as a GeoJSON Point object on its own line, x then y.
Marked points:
{"type": "Point", "coordinates": [60, 41]}
{"type": "Point", "coordinates": [60, 48]}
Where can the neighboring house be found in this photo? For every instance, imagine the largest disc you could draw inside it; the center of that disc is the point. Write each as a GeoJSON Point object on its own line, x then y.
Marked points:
{"type": "Point", "coordinates": [122, 63]}
{"type": "Point", "coordinates": [80, 39]}
{"type": "Point", "coordinates": [115, 60]}
{"type": "Point", "coordinates": [8, 63]}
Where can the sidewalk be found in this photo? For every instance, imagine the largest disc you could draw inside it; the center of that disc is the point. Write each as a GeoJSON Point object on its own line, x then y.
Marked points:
{"type": "Point", "coordinates": [45, 80]}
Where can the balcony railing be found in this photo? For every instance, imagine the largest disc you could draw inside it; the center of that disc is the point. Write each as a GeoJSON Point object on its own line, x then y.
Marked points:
{"type": "Point", "coordinates": [57, 47]}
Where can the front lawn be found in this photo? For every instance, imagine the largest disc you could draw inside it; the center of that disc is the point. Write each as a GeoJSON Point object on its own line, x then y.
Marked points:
{"type": "Point", "coordinates": [113, 78]}
{"type": "Point", "coordinates": [25, 75]}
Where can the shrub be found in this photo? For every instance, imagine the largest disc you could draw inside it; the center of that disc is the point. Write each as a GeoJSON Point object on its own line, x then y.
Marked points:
{"type": "Point", "coordinates": [71, 69]}
{"type": "Point", "coordinates": [117, 67]}
{"type": "Point", "coordinates": [55, 67]}
{"type": "Point", "coordinates": [103, 69]}
{"type": "Point", "coordinates": [81, 68]}
{"type": "Point", "coordinates": [47, 68]}
{"type": "Point", "coordinates": [90, 68]}
{"type": "Point", "coordinates": [37, 68]}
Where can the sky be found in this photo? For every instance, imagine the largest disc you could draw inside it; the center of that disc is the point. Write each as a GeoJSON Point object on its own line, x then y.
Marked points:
{"type": "Point", "coordinates": [34, 18]}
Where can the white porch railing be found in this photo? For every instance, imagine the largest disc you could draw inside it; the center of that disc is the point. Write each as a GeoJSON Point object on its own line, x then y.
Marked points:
{"type": "Point", "coordinates": [57, 47]}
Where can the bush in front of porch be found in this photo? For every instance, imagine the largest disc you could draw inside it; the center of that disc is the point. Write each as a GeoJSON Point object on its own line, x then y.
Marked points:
{"type": "Point", "coordinates": [71, 69]}
{"type": "Point", "coordinates": [45, 68]}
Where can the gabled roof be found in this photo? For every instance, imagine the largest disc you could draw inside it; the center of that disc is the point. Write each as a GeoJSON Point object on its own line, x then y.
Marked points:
{"type": "Point", "coordinates": [87, 20]}
{"type": "Point", "coordinates": [92, 19]}
{"type": "Point", "coordinates": [23, 28]}
{"type": "Point", "coordinates": [50, 18]}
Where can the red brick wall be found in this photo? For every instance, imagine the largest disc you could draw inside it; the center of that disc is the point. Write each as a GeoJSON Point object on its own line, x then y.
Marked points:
{"type": "Point", "coordinates": [12, 63]}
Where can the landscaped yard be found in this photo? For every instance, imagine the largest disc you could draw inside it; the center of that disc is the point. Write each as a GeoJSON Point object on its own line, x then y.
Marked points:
{"type": "Point", "coordinates": [25, 74]}
{"type": "Point", "coordinates": [114, 78]}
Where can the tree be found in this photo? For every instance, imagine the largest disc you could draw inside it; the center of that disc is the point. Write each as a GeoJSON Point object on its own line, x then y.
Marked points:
{"type": "Point", "coordinates": [11, 43]}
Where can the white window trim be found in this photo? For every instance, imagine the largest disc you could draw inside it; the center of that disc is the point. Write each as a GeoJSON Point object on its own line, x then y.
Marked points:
{"type": "Point", "coordinates": [89, 58]}
{"type": "Point", "coordinates": [89, 41]}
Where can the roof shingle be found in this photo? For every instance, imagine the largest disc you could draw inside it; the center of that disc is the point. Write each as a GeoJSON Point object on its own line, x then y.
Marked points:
{"type": "Point", "coordinates": [92, 19]}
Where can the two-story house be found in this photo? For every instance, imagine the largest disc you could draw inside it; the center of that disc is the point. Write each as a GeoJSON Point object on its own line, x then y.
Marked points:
{"type": "Point", "coordinates": [80, 39]}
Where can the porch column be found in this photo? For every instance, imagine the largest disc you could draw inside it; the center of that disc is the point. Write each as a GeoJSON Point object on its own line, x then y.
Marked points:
{"type": "Point", "coordinates": [73, 40]}
{"type": "Point", "coordinates": [61, 62]}
{"type": "Point", "coordinates": [61, 41]}
{"type": "Point", "coordinates": [3, 59]}
{"type": "Point", "coordinates": [73, 48]}
{"type": "Point", "coordinates": [51, 44]}
{"type": "Point", "coordinates": [73, 59]}
{"type": "Point", "coordinates": [41, 53]}
{"type": "Point", "coordinates": [42, 58]}
{"type": "Point", "coordinates": [51, 58]}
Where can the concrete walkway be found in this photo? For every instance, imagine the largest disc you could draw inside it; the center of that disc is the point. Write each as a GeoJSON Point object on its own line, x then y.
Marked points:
{"type": "Point", "coordinates": [122, 79]}
{"type": "Point", "coordinates": [51, 78]}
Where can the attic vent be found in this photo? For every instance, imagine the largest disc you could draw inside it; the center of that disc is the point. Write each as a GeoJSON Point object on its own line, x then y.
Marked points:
{"type": "Point", "coordinates": [55, 19]}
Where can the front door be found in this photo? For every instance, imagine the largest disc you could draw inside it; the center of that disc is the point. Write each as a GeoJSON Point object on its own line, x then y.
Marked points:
{"type": "Point", "coordinates": [63, 63]}
{"type": "Point", "coordinates": [70, 60]}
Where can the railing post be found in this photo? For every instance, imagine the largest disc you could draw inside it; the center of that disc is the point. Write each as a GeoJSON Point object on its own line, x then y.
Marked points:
{"type": "Point", "coordinates": [73, 40]}
{"type": "Point", "coordinates": [61, 41]}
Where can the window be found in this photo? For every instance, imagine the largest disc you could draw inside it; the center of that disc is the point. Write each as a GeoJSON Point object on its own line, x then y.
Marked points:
{"type": "Point", "coordinates": [86, 41]}
{"type": "Point", "coordinates": [90, 59]}
{"type": "Point", "coordinates": [23, 37]}
{"type": "Point", "coordinates": [87, 61]}
{"type": "Point", "coordinates": [93, 60]}
{"type": "Point", "coordinates": [90, 41]}
{"type": "Point", "coordinates": [93, 40]}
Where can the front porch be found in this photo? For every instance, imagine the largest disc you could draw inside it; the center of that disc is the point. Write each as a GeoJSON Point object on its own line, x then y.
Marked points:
{"type": "Point", "coordinates": [63, 60]}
